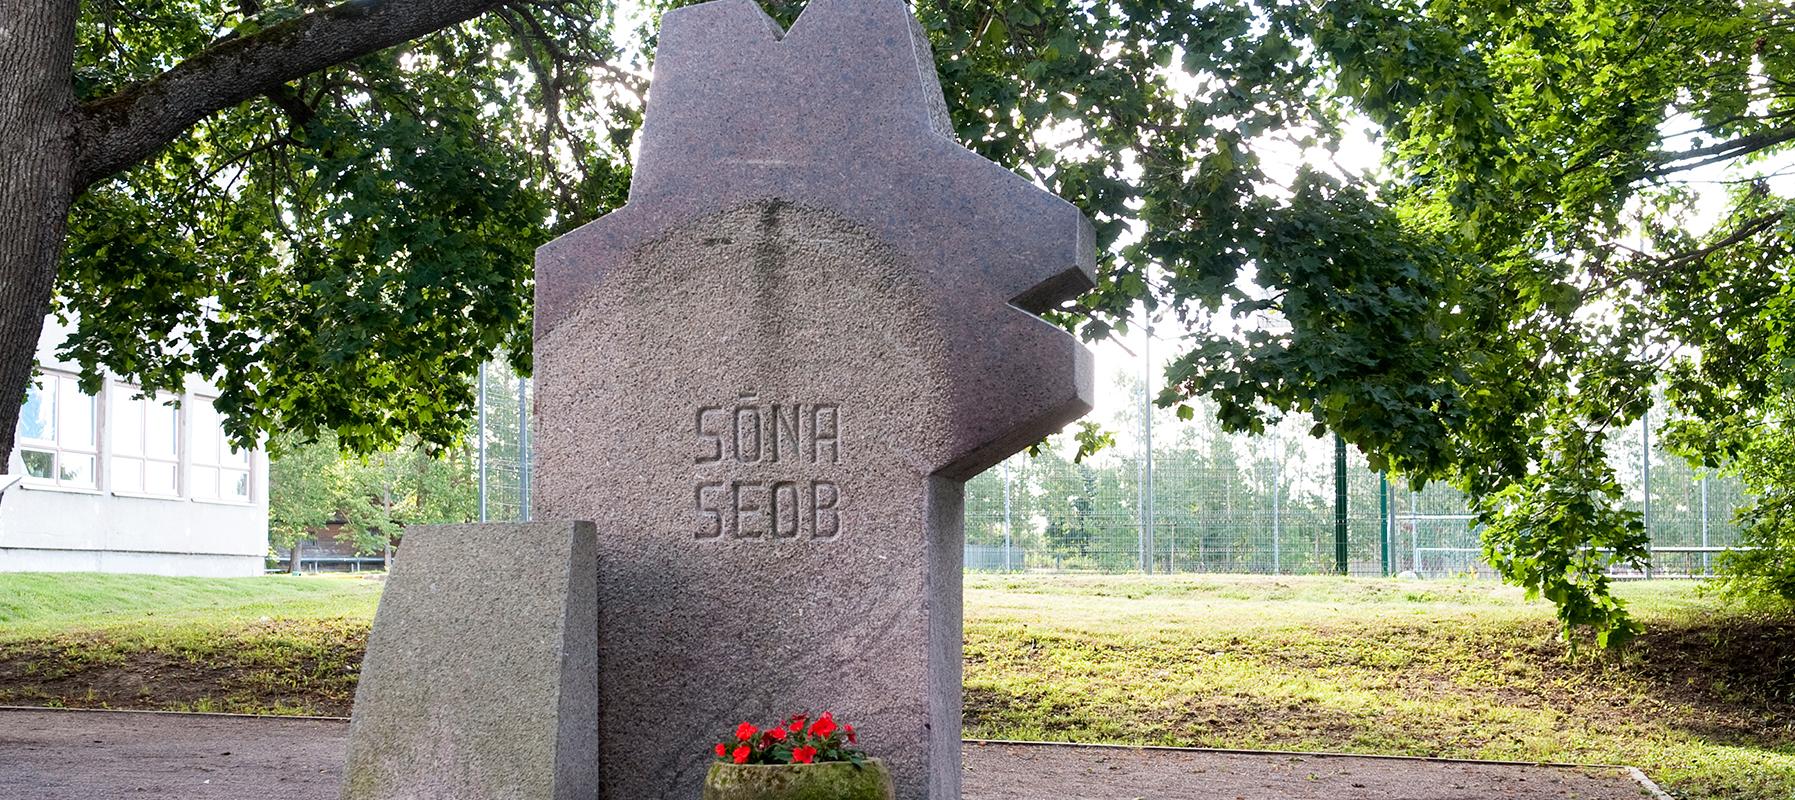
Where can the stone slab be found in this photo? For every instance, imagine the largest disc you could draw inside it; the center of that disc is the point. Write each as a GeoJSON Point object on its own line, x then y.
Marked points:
{"type": "Point", "coordinates": [480, 680]}
{"type": "Point", "coordinates": [766, 377]}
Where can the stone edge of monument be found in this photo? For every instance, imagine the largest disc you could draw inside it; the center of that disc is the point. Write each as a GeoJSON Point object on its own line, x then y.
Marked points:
{"type": "Point", "coordinates": [469, 611]}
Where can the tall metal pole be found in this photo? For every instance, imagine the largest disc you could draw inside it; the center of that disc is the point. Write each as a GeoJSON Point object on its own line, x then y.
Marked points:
{"type": "Point", "coordinates": [1707, 564]}
{"type": "Point", "coordinates": [1006, 517]}
{"type": "Point", "coordinates": [1415, 531]}
{"type": "Point", "coordinates": [1645, 468]}
{"type": "Point", "coordinates": [1140, 506]}
{"type": "Point", "coordinates": [1645, 477]}
{"type": "Point", "coordinates": [523, 450]}
{"type": "Point", "coordinates": [480, 433]}
{"type": "Point", "coordinates": [1383, 519]}
{"type": "Point", "coordinates": [1147, 547]}
{"type": "Point", "coordinates": [1277, 500]}
{"type": "Point", "coordinates": [1340, 564]}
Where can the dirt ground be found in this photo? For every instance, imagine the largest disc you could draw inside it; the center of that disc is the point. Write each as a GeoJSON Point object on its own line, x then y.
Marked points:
{"type": "Point", "coordinates": [97, 755]}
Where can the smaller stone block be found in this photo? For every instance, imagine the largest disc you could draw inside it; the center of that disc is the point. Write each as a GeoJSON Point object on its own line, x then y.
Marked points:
{"type": "Point", "coordinates": [481, 676]}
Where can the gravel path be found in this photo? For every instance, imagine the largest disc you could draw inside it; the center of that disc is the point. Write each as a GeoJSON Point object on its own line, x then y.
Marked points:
{"type": "Point", "coordinates": [92, 755]}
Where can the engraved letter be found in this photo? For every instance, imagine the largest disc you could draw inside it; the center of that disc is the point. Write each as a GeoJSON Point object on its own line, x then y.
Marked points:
{"type": "Point", "coordinates": [710, 440]}
{"type": "Point", "coordinates": [824, 519]}
{"type": "Point", "coordinates": [749, 509]}
{"type": "Point", "coordinates": [747, 434]}
{"type": "Point", "coordinates": [784, 510]}
{"type": "Point", "coordinates": [711, 516]}
{"type": "Point", "coordinates": [785, 429]}
{"type": "Point", "coordinates": [825, 433]}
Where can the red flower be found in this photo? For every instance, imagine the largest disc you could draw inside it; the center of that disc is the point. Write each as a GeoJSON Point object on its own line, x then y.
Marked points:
{"type": "Point", "coordinates": [773, 735]}
{"type": "Point", "coordinates": [722, 749]}
{"type": "Point", "coordinates": [745, 731]}
{"type": "Point", "coordinates": [741, 754]}
{"type": "Point", "coordinates": [797, 723]}
{"type": "Point", "coordinates": [850, 730]}
{"type": "Point", "coordinates": [823, 726]}
{"type": "Point", "coordinates": [803, 755]}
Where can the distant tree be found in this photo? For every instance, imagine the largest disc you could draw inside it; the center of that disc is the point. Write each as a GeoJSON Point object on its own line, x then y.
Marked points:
{"type": "Point", "coordinates": [373, 498]}
{"type": "Point", "coordinates": [1757, 446]}
{"type": "Point", "coordinates": [304, 495]}
{"type": "Point", "coordinates": [1500, 302]}
{"type": "Point", "coordinates": [985, 509]}
{"type": "Point", "coordinates": [1065, 495]}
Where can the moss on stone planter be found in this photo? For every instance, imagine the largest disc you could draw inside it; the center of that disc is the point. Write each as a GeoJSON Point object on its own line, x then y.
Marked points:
{"type": "Point", "coordinates": [831, 781]}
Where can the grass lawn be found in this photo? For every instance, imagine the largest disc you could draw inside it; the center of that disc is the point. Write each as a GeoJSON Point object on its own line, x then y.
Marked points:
{"type": "Point", "coordinates": [1705, 703]}
{"type": "Point", "coordinates": [278, 645]}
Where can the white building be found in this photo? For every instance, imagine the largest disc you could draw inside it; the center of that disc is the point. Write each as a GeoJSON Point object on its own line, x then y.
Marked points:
{"type": "Point", "coordinates": [116, 483]}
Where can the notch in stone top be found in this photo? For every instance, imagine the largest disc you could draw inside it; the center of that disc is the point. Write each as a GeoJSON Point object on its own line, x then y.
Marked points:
{"type": "Point", "coordinates": [844, 113]}
{"type": "Point", "coordinates": [845, 66]}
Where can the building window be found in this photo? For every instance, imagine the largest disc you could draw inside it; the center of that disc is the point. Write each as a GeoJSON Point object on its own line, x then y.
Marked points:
{"type": "Point", "coordinates": [220, 471]}
{"type": "Point", "coordinates": [144, 432]}
{"type": "Point", "coordinates": [57, 438]}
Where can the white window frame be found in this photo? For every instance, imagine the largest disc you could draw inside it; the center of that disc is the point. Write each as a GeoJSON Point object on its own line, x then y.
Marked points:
{"type": "Point", "coordinates": [203, 414]}
{"type": "Point", "coordinates": [50, 386]}
{"type": "Point", "coordinates": [141, 406]}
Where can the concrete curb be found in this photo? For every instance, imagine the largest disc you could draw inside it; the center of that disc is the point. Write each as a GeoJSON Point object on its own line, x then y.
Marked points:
{"type": "Point", "coordinates": [1651, 788]}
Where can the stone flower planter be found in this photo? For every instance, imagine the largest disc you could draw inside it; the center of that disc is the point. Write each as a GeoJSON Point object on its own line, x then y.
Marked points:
{"type": "Point", "coordinates": [833, 780]}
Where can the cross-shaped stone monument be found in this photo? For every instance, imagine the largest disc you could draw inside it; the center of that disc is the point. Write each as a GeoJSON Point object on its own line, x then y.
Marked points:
{"type": "Point", "coordinates": [766, 379]}
{"type": "Point", "coordinates": [768, 375]}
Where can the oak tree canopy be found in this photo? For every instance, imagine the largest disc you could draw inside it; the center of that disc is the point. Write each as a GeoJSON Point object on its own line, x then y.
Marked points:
{"type": "Point", "coordinates": [330, 209]}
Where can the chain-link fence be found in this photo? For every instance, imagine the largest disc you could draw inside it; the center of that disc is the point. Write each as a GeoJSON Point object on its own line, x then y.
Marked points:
{"type": "Point", "coordinates": [501, 444]}
{"type": "Point", "coordinates": [1200, 500]}
{"type": "Point", "coordinates": [1285, 503]}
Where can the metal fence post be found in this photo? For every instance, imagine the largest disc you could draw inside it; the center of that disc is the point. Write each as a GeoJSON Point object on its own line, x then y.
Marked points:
{"type": "Point", "coordinates": [1277, 500]}
{"type": "Point", "coordinates": [1415, 531]}
{"type": "Point", "coordinates": [1147, 547]}
{"type": "Point", "coordinates": [1645, 479]}
{"type": "Point", "coordinates": [1340, 554]}
{"type": "Point", "coordinates": [523, 450]}
{"type": "Point", "coordinates": [480, 438]}
{"type": "Point", "coordinates": [1383, 520]}
{"type": "Point", "coordinates": [1707, 557]}
{"type": "Point", "coordinates": [1006, 517]}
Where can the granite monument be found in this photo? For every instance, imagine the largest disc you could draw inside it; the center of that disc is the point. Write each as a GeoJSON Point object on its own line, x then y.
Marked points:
{"type": "Point", "coordinates": [766, 378]}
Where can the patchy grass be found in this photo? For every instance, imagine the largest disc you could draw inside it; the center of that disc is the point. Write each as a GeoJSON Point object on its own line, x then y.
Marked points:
{"type": "Point", "coordinates": [1705, 702]}
{"type": "Point", "coordinates": [53, 603]}
{"type": "Point", "coordinates": [276, 645]}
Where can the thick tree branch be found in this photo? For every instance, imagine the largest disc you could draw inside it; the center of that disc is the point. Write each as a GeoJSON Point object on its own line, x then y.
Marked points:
{"type": "Point", "coordinates": [1721, 151]}
{"type": "Point", "coordinates": [116, 132]}
{"type": "Point", "coordinates": [1746, 231]}
{"type": "Point", "coordinates": [1654, 268]}
{"type": "Point", "coordinates": [294, 106]}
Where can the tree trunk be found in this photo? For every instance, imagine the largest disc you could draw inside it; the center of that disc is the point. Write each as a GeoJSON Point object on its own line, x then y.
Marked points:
{"type": "Point", "coordinates": [37, 104]}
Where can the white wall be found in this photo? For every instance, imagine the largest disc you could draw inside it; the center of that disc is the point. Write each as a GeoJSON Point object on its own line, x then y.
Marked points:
{"type": "Point", "coordinates": [53, 529]}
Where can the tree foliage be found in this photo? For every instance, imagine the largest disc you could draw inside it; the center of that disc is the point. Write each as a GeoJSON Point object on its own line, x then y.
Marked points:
{"type": "Point", "coordinates": [374, 498]}
{"type": "Point", "coordinates": [1486, 310]}
{"type": "Point", "coordinates": [333, 254]}
{"type": "Point", "coordinates": [1491, 307]}
{"type": "Point", "coordinates": [1758, 445]}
